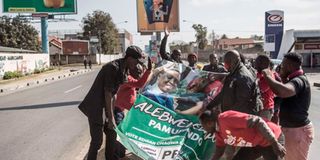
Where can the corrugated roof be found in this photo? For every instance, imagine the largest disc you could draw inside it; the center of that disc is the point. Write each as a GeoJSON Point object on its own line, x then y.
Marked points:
{"type": "Point", "coordinates": [306, 33]}
{"type": "Point", "coordinates": [236, 41]}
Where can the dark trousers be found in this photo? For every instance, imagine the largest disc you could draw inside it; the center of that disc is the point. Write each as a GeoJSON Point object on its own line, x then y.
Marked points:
{"type": "Point", "coordinates": [114, 150]}
{"type": "Point", "coordinates": [253, 153]}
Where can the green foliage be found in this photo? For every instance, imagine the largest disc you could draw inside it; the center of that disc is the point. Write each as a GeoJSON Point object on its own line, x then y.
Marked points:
{"type": "Point", "coordinates": [100, 24]}
{"type": "Point", "coordinates": [10, 75]}
{"type": "Point", "coordinates": [37, 71]}
{"type": "Point", "coordinates": [17, 33]}
{"type": "Point", "coordinates": [201, 35]}
{"type": "Point", "coordinates": [224, 36]}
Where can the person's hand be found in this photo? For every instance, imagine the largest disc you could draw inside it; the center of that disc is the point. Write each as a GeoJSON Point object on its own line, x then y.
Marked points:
{"type": "Point", "coordinates": [278, 149]}
{"type": "Point", "coordinates": [149, 64]}
{"type": "Point", "coordinates": [166, 32]}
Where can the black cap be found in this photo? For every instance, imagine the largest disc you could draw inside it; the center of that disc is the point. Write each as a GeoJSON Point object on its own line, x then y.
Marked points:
{"type": "Point", "coordinates": [136, 52]}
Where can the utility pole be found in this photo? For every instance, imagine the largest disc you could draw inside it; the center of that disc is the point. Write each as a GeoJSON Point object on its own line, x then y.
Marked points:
{"type": "Point", "coordinates": [100, 48]}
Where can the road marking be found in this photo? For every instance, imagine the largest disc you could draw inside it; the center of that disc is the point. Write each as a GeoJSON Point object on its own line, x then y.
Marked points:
{"type": "Point", "coordinates": [70, 90]}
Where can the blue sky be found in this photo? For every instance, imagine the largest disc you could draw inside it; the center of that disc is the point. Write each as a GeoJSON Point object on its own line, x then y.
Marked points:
{"type": "Point", "coordinates": [233, 17]}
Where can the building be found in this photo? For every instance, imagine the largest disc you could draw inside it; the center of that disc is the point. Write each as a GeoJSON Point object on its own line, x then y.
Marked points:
{"type": "Point", "coordinates": [55, 45]}
{"type": "Point", "coordinates": [125, 40]}
{"type": "Point", "coordinates": [234, 43]}
{"type": "Point", "coordinates": [305, 42]}
{"type": "Point", "coordinates": [75, 47]}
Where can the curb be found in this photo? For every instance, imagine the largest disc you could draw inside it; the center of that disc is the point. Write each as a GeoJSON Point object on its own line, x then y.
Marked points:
{"type": "Point", "coordinates": [34, 82]}
{"type": "Point", "coordinates": [316, 84]}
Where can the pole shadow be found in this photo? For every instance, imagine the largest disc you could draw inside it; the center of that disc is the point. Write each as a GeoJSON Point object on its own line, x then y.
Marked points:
{"type": "Point", "coordinates": [41, 106]}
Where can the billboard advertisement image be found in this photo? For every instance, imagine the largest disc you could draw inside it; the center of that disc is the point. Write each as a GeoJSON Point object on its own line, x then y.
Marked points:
{"type": "Point", "coordinates": [40, 6]}
{"type": "Point", "coordinates": [156, 15]}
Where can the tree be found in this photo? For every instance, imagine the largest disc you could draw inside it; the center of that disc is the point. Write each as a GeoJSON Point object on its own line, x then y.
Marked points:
{"type": "Point", "coordinates": [17, 33]}
{"type": "Point", "coordinates": [100, 24]}
{"type": "Point", "coordinates": [256, 37]}
{"type": "Point", "coordinates": [224, 36]}
{"type": "Point", "coordinates": [201, 35]}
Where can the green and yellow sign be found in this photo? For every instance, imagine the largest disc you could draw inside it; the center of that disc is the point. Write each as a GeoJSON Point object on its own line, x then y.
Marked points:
{"type": "Point", "coordinates": [40, 6]}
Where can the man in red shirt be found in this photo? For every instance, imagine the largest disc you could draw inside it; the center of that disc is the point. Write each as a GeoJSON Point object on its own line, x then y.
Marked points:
{"type": "Point", "coordinates": [236, 129]}
{"type": "Point", "coordinates": [126, 94]}
{"type": "Point", "coordinates": [263, 62]}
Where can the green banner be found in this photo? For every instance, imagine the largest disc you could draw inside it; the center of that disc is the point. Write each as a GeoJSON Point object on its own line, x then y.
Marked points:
{"type": "Point", "coordinates": [40, 6]}
{"type": "Point", "coordinates": [152, 131]}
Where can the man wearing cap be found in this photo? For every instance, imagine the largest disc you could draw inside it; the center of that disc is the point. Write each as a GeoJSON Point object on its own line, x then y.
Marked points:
{"type": "Point", "coordinates": [99, 101]}
{"type": "Point", "coordinates": [192, 60]}
{"type": "Point", "coordinates": [176, 53]}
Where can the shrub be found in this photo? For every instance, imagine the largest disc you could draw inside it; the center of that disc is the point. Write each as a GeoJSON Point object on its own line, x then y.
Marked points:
{"type": "Point", "coordinates": [36, 71]}
{"type": "Point", "coordinates": [10, 75]}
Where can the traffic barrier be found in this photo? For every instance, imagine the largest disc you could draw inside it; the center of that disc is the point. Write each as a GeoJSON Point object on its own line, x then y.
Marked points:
{"type": "Point", "coordinates": [316, 84]}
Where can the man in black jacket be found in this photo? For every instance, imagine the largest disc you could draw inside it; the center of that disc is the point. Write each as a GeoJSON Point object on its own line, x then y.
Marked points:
{"type": "Point", "coordinates": [99, 100]}
{"type": "Point", "coordinates": [176, 53]}
{"type": "Point", "coordinates": [214, 66]}
{"type": "Point", "coordinates": [239, 87]}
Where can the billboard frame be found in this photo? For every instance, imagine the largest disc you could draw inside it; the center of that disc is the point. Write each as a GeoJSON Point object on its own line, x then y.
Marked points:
{"type": "Point", "coordinates": [158, 30]}
{"type": "Point", "coordinates": [51, 13]}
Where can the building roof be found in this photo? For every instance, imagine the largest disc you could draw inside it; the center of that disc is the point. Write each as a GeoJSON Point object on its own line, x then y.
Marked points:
{"type": "Point", "coordinates": [55, 41]}
{"type": "Point", "coordinates": [306, 33]}
{"type": "Point", "coordinates": [236, 41]}
{"type": "Point", "coordinates": [15, 50]}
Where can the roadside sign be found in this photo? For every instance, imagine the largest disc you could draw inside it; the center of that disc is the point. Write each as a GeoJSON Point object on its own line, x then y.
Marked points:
{"type": "Point", "coordinates": [40, 6]}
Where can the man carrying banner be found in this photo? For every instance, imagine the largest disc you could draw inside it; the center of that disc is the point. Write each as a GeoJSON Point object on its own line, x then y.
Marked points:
{"type": "Point", "coordinates": [255, 136]}
{"type": "Point", "coordinates": [100, 97]}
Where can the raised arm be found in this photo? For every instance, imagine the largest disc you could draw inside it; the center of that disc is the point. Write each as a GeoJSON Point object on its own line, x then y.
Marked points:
{"type": "Point", "coordinates": [163, 44]}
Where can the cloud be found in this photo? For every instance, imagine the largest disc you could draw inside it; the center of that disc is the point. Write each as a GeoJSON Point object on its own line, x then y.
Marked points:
{"type": "Point", "coordinates": [199, 3]}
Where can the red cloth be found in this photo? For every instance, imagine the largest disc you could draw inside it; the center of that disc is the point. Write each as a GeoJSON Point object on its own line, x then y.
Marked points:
{"type": "Point", "coordinates": [126, 94]}
{"type": "Point", "coordinates": [296, 74]}
{"type": "Point", "coordinates": [233, 130]}
{"type": "Point", "coordinates": [266, 92]}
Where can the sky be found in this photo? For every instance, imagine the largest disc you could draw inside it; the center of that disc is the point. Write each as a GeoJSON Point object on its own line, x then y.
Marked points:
{"type": "Point", "coordinates": [235, 18]}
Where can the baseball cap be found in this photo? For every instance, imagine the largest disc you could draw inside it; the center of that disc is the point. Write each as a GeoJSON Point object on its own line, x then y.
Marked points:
{"type": "Point", "coordinates": [192, 54]}
{"type": "Point", "coordinates": [136, 52]}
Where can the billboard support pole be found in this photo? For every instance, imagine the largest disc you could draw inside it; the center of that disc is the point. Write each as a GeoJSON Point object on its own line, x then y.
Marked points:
{"type": "Point", "coordinates": [44, 35]}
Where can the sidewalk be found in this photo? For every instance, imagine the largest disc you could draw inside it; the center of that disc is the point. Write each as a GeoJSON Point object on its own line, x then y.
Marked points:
{"type": "Point", "coordinates": [11, 85]}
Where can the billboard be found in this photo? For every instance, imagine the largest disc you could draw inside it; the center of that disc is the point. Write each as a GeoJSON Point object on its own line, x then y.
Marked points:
{"type": "Point", "coordinates": [273, 32]}
{"type": "Point", "coordinates": [40, 6]}
{"type": "Point", "coordinates": [156, 15]}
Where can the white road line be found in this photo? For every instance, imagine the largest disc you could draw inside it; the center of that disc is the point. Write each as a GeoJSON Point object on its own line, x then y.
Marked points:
{"type": "Point", "coordinates": [70, 90]}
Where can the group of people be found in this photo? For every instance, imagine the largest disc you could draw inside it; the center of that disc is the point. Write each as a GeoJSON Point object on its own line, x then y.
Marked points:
{"type": "Point", "coordinates": [240, 115]}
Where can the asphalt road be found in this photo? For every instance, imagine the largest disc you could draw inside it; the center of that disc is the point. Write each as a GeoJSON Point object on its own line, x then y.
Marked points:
{"type": "Point", "coordinates": [44, 123]}
{"type": "Point", "coordinates": [314, 112]}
